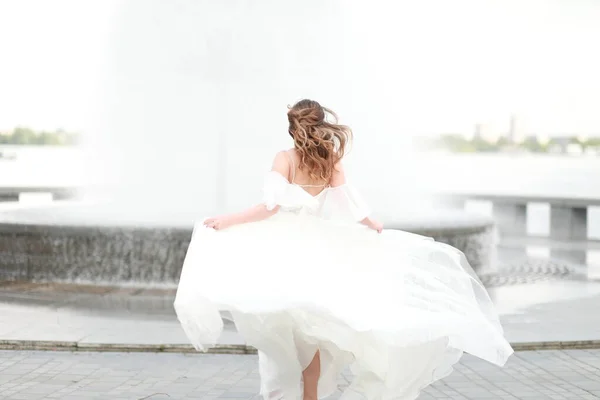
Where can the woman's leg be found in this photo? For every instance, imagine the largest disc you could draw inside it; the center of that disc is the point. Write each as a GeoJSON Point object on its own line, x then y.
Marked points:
{"type": "Point", "coordinates": [311, 377]}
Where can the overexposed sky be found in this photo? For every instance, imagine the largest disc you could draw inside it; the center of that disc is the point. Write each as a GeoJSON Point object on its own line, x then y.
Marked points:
{"type": "Point", "coordinates": [467, 61]}
{"type": "Point", "coordinates": [51, 53]}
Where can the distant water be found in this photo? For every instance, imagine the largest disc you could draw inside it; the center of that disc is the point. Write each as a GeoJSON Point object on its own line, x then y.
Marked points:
{"type": "Point", "coordinates": [41, 166]}
{"type": "Point", "coordinates": [489, 173]}
{"type": "Point", "coordinates": [518, 174]}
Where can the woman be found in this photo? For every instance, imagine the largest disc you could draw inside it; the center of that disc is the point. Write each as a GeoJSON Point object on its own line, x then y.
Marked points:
{"type": "Point", "coordinates": [316, 284]}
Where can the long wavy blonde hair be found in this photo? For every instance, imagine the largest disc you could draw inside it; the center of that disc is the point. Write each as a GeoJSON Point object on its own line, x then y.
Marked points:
{"type": "Point", "coordinates": [320, 143]}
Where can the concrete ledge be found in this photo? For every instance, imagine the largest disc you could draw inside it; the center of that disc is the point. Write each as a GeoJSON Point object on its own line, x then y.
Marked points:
{"type": "Point", "coordinates": [234, 349]}
{"type": "Point", "coordinates": [439, 221]}
{"type": "Point", "coordinates": [523, 199]}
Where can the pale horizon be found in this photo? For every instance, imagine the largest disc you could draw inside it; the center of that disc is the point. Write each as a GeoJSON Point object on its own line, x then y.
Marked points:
{"type": "Point", "coordinates": [472, 62]}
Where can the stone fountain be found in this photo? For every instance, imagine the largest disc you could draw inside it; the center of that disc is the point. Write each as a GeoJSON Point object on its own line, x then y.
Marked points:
{"type": "Point", "coordinates": [190, 113]}
{"type": "Point", "coordinates": [53, 244]}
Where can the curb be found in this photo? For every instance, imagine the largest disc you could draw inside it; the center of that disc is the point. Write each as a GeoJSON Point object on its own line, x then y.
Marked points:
{"type": "Point", "coordinates": [40, 345]}
{"type": "Point", "coordinates": [557, 345]}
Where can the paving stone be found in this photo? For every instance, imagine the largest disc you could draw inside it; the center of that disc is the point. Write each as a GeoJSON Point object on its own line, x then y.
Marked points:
{"type": "Point", "coordinates": [529, 376]}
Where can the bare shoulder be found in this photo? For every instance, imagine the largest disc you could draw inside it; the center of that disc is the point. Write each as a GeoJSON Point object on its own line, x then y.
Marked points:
{"type": "Point", "coordinates": [281, 163]}
{"type": "Point", "coordinates": [338, 177]}
{"type": "Point", "coordinates": [339, 167]}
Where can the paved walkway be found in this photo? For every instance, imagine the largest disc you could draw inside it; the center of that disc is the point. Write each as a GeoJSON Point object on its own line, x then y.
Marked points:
{"type": "Point", "coordinates": [91, 316]}
{"type": "Point", "coordinates": [537, 375]}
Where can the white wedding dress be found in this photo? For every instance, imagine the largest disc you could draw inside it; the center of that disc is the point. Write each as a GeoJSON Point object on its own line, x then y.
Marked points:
{"type": "Point", "coordinates": [398, 307]}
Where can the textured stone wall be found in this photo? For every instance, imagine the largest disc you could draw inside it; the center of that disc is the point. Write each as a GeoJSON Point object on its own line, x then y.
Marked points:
{"type": "Point", "coordinates": [478, 244]}
{"type": "Point", "coordinates": [146, 255]}
{"type": "Point", "coordinates": [473, 234]}
{"type": "Point", "coordinates": [88, 254]}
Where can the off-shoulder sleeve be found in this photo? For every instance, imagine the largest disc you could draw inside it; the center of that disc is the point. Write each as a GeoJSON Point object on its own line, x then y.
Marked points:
{"type": "Point", "coordinates": [358, 205]}
{"type": "Point", "coordinates": [274, 189]}
{"type": "Point", "coordinates": [342, 202]}
{"type": "Point", "coordinates": [346, 202]}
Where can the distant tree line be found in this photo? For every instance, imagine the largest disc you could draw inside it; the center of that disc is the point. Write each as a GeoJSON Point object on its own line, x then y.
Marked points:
{"type": "Point", "coordinates": [26, 136]}
{"type": "Point", "coordinates": [459, 144]}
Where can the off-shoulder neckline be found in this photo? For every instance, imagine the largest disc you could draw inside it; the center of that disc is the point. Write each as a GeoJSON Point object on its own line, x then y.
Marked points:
{"type": "Point", "coordinates": [325, 189]}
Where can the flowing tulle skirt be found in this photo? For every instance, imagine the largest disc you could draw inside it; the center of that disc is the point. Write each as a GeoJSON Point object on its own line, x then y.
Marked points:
{"type": "Point", "coordinates": [399, 308]}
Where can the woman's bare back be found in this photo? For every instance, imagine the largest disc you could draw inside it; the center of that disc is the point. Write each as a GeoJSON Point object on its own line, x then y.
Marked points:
{"type": "Point", "coordinates": [301, 178]}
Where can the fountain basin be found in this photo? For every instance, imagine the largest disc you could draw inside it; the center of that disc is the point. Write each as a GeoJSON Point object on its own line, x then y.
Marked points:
{"type": "Point", "coordinates": [473, 234]}
{"type": "Point", "coordinates": [65, 244]}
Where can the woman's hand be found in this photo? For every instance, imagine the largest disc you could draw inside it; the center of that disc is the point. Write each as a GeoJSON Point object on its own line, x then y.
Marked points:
{"type": "Point", "coordinates": [372, 224]}
{"type": "Point", "coordinates": [220, 222]}
{"type": "Point", "coordinates": [376, 226]}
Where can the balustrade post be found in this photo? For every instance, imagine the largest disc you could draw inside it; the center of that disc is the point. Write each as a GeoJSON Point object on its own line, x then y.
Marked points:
{"type": "Point", "coordinates": [511, 221]}
{"type": "Point", "coordinates": [568, 224]}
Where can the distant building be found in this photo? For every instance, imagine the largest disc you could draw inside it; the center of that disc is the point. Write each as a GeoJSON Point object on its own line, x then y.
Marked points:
{"type": "Point", "coordinates": [574, 148]}
{"type": "Point", "coordinates": [478, 132]}
{"type": "Point", "coordinates": [565, 145]}
{"type": "Point", "coordinates": [516, 129]}
{"type": "Point", "coordinates": [512, 130]}
{"type": "Point", "coordinates": [484, 132]}
{"type": "Point", "coordinates": [592, 150]}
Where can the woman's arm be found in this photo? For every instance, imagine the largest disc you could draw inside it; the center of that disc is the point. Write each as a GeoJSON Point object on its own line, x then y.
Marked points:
{"type": "Point", "coordinates": [373, 224]}
{"type": "Point", "coordinates": [252, 214]}
{"type": "Point", "coordinates": [259, 211]}
{"type": "Point", "coordinates": [338, 179]}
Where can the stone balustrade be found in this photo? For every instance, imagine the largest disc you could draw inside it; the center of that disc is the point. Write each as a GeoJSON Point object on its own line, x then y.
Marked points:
{"type": "Point", "coordinates": [568, 238]}
{"type": "Point", "coordinates": [58, 193]}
